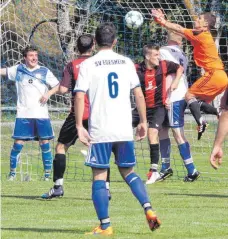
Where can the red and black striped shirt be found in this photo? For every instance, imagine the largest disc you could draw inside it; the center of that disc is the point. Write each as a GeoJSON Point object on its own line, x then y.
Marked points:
{"type": "Point", "coordinates": [153, 82]}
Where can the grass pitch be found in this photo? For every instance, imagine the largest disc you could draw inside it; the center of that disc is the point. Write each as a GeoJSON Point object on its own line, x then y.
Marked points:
{"type": "Point", "coordinates": [187, 210]}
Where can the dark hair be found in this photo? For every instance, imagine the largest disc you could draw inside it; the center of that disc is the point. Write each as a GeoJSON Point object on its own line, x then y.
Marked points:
{"type": "Point", "coordinates": [210, 18]}
{"type": "Point", "coordinates": [148, 47]}
{"type": "Point", "coordinates": [105, 34]}
{"type": "Point", "coordinates": [27, 49]}
{"type": "Point", "coordinates": [85, 43]}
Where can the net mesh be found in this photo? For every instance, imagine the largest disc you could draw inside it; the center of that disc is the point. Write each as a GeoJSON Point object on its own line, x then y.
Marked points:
{"type": "Point", "coordinates": [53, 26]}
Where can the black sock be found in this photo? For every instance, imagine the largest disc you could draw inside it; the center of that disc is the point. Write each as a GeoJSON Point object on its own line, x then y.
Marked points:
{"type": "Point", "coordinates": [195, 110]}
{"type": "Point", "coordinates": [59, 166]}
{"type": "Point", "coordinates": [108, 176]}
{"type": "Point", "coordinates": [154, 153]}
{"type": "Point", "coordinates": [207, 108]}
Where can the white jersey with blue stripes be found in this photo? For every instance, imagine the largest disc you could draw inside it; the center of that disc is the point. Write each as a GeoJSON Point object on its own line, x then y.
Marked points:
{"type": "Point", "coordinates": [175, 54]}
{"type": "Point", "coordinates": [108, 78]}
{"type": "Point", "coordinates": [31, 85]}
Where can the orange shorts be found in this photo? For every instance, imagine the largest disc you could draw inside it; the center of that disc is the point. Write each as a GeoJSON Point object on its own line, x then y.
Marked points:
{"type": "Point", "coordinates": [211, 84]}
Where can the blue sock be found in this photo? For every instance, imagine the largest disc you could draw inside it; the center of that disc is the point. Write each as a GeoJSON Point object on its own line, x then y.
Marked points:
{"type": "Point", "coordinates": [186, 156]}
{"type": "Point", "coordinates": [138, 189]}
{"type": "Point", "coordinates": [101, 202]}
{"type": "Point", "coordinates": [165, 149]}
{"type": "Point", "coordinates": [47, 158]}
{"type": "Point", "coordinates": [14, 156]}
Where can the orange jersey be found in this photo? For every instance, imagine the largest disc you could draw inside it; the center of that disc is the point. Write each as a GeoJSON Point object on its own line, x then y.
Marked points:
{"type": "Point", "coordinates": [205, 51]}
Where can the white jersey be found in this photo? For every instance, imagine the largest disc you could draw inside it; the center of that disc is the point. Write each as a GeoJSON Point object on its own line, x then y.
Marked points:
{"type": "Point", "coordinates": [108, 77]}
{"type": "Point", "coordinates": [31, 84]}
{"type": "Point", "coordinates": [175, 54]}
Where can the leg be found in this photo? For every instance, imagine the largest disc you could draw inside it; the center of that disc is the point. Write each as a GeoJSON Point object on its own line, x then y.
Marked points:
{"type": "Point", "coordinates": [165, 148]}
{"type": "Point", "coordinates": [156, 118]}
{"type": "Point", "coordinates": [46, 157]}
{"type": "Point", "coordinates": [208, 108]}
{"type": "Point", "coordinates": [194, 107]}
{"type": "Point", "coordinates": [125, 159]}
{"type": "Point", "coordinates": [185, 153]}
{"type": "Point", "coordinates": [14, 158]}
{"type": "Point", "coordinates": [139, 191]}
{"type": "Point", "coordinates": [98, 160]}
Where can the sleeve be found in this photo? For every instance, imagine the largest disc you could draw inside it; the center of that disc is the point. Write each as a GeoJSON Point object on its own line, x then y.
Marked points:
{"type": "Point", "coordinates": [162, 54]}
{"type": "Point", "coordinates": [67, 76]}
{"type": "Point", "coordinates": [188, 33]}
{"type": "Point", "coordinates": [11, 72]}
{"type": "Point", "coordinates": [171, 67]}
{"type": "Point", "coordinates": [82, 83]}
{"type": "Point", "coordinates": [51, 79]}
{"type": "Point", "coordinates": [134, 79]}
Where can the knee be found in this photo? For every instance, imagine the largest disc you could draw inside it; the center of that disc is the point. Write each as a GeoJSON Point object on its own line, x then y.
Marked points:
{"type": "Point", "coordinates": [60, 148]}
{"type": "Point", "coordinates": [153, 136]}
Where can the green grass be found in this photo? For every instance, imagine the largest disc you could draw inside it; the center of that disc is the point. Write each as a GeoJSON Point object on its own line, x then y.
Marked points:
{"type": "Point", "coordinates": [195, 210]}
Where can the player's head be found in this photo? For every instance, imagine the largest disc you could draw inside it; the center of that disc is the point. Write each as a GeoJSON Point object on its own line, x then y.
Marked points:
{"type": "Point", "coordinates": [174, 38]}
{"type": "Point", "coordinates": [105, 35]}
{"type": "Point", "coordinates": [151, 55]}
{"type": "Point", "coordinates": [85, 44]}
{"type": "Point", "coordinates": [30, 54]}
{"type": "Point", "coordinates": [205, 21]}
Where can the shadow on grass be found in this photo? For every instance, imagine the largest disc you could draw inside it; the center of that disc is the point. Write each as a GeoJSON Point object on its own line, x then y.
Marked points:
{"type": "Point", "coordinates": [199, 195]}
{"type": "Point", "coordinates": [41, 199]}
{"type": "Point", "coordinates": [43, 230]}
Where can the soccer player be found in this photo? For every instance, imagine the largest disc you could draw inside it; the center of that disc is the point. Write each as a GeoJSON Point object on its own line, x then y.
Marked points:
{"type": "Point", "coordinates": [108, 78]}
{"type": "Point", "coordinates": [217, 153]}
{"type": "Point", "coordinates": [176, 108]}
{"type": "Point", "coordinates": [214, 81]}
{"type": "Point", "coordinates": [32, 120]}
{"type": "Point", "coordinates": [68, 133]}
{"type": "Point", "coordinates": [152, 74]}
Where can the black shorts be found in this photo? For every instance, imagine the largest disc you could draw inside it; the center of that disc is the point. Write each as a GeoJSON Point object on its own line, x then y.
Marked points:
{"type": "Point", "coordinates": [135, 118]}
{"type": "Point", "coordinates": [157, 117]}
{"type": "Point", "coordinates": [68, 133]}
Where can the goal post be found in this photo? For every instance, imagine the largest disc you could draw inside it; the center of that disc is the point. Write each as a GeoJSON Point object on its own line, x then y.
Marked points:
{"type": "Point", "coordinates": [54, 26]}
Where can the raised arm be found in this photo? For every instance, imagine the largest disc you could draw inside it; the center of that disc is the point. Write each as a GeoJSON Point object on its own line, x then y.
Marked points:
{"type": "Point", "coordinates": [160, 19]}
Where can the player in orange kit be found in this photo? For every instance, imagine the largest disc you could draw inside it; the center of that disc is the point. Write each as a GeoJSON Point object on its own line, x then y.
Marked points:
{"type": "Point", "coordinates": [214, 81]}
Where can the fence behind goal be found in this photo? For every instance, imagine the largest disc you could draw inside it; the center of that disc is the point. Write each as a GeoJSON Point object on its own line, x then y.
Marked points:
{"type": "Point", "coordinates": [53, 26]}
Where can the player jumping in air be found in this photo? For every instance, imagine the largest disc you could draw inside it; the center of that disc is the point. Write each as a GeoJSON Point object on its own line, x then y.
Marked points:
{"type": "Point", "coordinates": [214, 81]}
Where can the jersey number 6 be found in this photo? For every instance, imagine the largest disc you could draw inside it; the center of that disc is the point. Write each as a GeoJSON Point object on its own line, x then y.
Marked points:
{"type": "Point", "coordinates": [113, 86]}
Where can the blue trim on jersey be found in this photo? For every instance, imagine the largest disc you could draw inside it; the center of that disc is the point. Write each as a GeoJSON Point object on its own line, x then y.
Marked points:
{"type": "Point", "coordinates": [176, 114]}
{"type": "Point", "coordinates": [79, 91]}
{"type": "Point", "coordinates": [100, 153]}
{"type": "Point", "coordinates": [42, 71]}
{"type": "Point", "coordinates": [32, 129]}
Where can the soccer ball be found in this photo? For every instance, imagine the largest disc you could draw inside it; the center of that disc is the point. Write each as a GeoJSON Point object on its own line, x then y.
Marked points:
{"type": "Point", "coordinates": [134, 19]}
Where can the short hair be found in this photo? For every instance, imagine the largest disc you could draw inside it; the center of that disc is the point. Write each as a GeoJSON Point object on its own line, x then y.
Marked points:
{"type": "Point", "coordinates": [27, 49]}
{"type": "Point", "coordinates": [105, 34]}
{"type": "Point", "coordinates": [85, 43]}
{"type": "Point", "coordinates": [148, 48]}
{"type": "Point", "coordinates": [172, 36]}
{"type": "Point", "coordinates": [210, 18]}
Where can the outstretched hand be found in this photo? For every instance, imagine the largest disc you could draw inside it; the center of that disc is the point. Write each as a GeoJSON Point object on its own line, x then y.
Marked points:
{"type": "Point", "coordinates": [216, 157]}
{"type": "Point", "coordinates": [141, 131]}
{"type": "Point", "coordinates": [158, 15]}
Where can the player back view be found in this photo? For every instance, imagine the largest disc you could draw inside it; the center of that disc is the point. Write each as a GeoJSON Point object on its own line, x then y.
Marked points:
{"type": "Point", "coordinates": [108, 78]}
